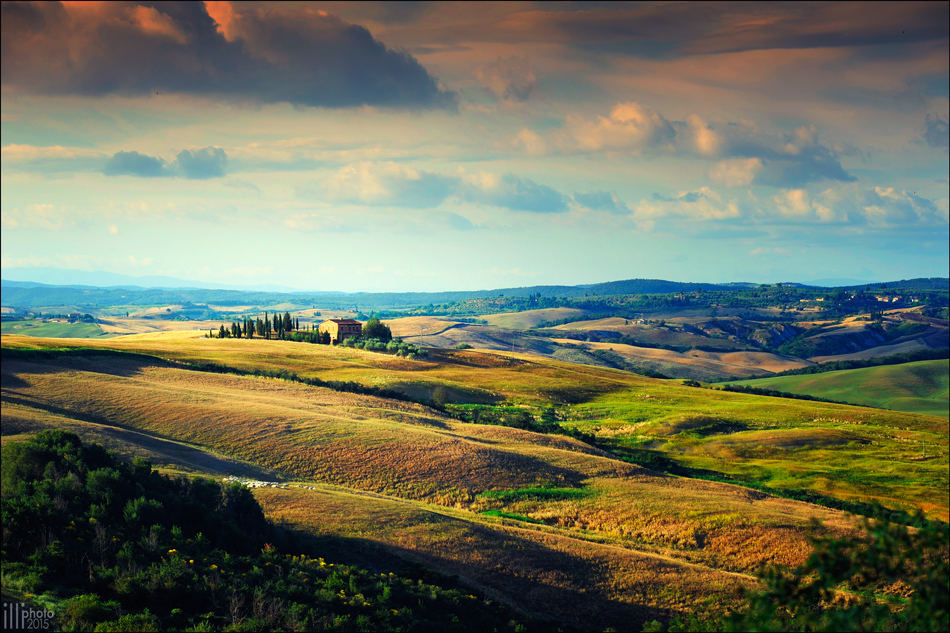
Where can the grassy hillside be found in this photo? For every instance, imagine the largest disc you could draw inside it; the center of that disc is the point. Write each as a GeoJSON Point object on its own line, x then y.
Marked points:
{"type": "Point", "coordinates": [53, 330]}
{"type": "Point", "coordinates": [627, 411]}
{"type": "Point", "coordinates": [544, 521]}
{"type": "Point", "coordinates": [920, 387]}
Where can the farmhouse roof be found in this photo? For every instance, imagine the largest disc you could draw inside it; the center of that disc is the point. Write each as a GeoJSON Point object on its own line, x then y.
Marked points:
{"type": "Point", "coordinates": [343, 321]}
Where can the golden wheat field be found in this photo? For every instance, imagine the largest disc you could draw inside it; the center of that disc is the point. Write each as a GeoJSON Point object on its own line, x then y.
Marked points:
{"type": "Point", "coordinates": [623, 543]}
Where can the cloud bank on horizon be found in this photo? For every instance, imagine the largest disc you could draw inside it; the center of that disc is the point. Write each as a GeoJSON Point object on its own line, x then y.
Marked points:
{"type": "Point", "coordinates": [423, 146]}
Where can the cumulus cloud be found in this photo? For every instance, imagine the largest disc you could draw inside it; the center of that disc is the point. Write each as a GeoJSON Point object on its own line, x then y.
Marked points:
{"type": "Point", "coordinates": [876, 207]}
{"type": "Point", "coordinates": [799, 161]}
{"type": "Point", "coordinates": [793, 203]}
{"type": "Point", "coordinates": [890, 207]}
{"type": "Point", "coordinates": [704, 139]}
{"type": "Point", "coordinates": [754, 158]}
{"type": "Point", "coordinates": [629, 127]}
{"type": "Point", "coordinates": [267, 55]}
{"type": "Point", "coordinates": [736, 172]}
{"type": "Point", "coordinates": [531, 142]}
{"type": "Point", "coordinates": [396, 185]}
{"type": "Point", "coordinates": [195, 165]}
{"type": "Point", "coordinates": [511, 80]}
{"type": "Point", "coordinates": [600, 201]}
{"type": "Point", "coordinates": [746, 156]}
{"type": "Point", "coordinates": [389, 184]}
{"type": "Point", "coordinates": [203, 163]}
{"type": "Point", "coordinates": [936, 132]}
{"type": "Point", "coordinates": [701, 204]}
{"type": "Point", "coordinates": [511, 192]}
{"type": "Point", "coordinates": [135, 164]}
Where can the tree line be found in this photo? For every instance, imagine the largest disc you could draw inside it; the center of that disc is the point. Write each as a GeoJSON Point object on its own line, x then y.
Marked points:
{"type": "Point", "coordinates": [287, 328]}
{"type": "Point", "coordinates": [279, 327]}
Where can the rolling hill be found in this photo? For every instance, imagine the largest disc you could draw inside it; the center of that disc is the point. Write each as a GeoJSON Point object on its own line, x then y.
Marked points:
{"type": "Point", "coordinates": [920, 387]}
{"type": "Point", "coordinates": [587, 537]}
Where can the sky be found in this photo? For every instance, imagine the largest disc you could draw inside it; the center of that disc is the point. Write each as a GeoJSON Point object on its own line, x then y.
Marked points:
{"type": "Point", "coordinates": [425, 146]}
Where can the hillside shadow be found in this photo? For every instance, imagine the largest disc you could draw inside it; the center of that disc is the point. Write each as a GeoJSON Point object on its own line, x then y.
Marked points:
{"type": "Point", "coordinates": [551, 588]}
{"type": "Point", "coordinates": [121, 364]}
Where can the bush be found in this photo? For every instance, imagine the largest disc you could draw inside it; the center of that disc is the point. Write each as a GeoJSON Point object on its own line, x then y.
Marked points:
{"type": "Point", "coordinates": [375, 328]}
{"type": "Point", "coordinates": [889, 578]}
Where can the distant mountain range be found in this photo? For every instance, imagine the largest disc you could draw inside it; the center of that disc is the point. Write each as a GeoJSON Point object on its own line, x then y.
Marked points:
{"type": "Point", "coordinates": [122, 291]}
{"type": "Point", "coordinates": [27, 277]}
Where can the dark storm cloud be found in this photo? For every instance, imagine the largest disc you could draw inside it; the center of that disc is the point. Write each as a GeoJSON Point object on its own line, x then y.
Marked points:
{"type": "Point", "coordinates": [647, 30]}
{"type": "Point", "coordinates": [832, 25]}
{"type": "Point", "coordinates": [303, 57]}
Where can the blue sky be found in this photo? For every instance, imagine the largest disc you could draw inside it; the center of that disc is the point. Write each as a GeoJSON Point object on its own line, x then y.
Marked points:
{"type": "Point", "coordinates": [431, 146]}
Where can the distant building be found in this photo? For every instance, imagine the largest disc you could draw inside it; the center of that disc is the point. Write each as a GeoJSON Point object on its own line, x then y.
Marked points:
{"type": "Point", "coordinates": [341, 329]}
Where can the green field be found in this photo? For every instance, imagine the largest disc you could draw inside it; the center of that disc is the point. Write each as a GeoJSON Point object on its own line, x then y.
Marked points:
{"type": "Point", "coordinates": [920, 387]}
{"type": "Point", "coordinates": [53, 330]}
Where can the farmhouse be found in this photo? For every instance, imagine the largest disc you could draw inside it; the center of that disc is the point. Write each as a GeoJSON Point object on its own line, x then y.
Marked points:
{"type": "Point", "coordinates": [340, 329]}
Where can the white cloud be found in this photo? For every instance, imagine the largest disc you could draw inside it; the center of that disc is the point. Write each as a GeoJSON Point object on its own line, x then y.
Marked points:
{"type": "Point", "coordinates": [388, 184]}
{"type": "Point", "coordinates": [705, 141]}
{"type": "Point", "coordinates": [737, 172]}
{"type": "Point", "coordinates": [532, 142]}
{"type": "Point", "coordinates": [792, 203]}
{"type": "Point", "coordinates": [629, 127]}
{"type": "Point", "coordinates": [701, 204]}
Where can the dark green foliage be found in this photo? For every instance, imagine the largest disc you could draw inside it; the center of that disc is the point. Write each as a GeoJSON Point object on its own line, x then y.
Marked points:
{"type": "Point", "coordinates": [114, 546]}
{"type": "Point", "coordinates": [535, 494]}
{"type": "Point", "coordinates": [376, 329]}
{"type": "Point", "coordinates": [515, 417]}
{"type": "Point", "coordinates": [889, 578]}
{"type": "Point", "coordinates": [510, 515]}
{"type": "Point", "coordinates": [761, 391]}
{"type": "Point", "coordinates": [440, 396]}
{"type": "Point", "coordinates": [395, 347]}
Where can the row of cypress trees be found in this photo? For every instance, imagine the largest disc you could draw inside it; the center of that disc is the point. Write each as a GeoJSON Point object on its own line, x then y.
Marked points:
{"type": "Point", "coordinates": [280, 327]}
